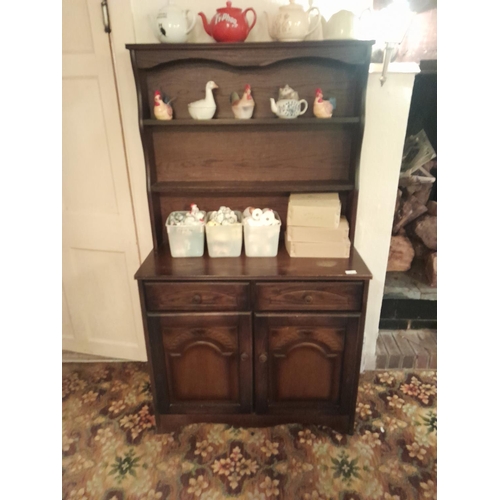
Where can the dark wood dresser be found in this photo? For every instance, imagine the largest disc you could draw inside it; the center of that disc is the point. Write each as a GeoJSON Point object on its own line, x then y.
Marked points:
{"type": "Point", "coordinates": [252, 341]}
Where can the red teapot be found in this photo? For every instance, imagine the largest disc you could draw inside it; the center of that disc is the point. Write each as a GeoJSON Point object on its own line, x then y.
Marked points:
{"type": "Point", "coordinates": [229, 24]}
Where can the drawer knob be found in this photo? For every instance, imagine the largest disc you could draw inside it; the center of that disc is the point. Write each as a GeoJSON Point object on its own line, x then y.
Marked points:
{"type": "Point", "coordinates": [263, 358]}
{"type": "Point", "coordinates": [197, 299]}
{"type": "Point", "coordinates": [244, 356]}
{"type": "Point", "coordinates": [308, 299]}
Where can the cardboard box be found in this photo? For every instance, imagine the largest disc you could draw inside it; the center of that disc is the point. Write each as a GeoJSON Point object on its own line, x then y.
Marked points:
{"type": "Point", "coordinates": [338, 250]}
{"type": "Point", "coordinates": [319, 234]}
{"type": "Point", "coordinates": [314, 210]}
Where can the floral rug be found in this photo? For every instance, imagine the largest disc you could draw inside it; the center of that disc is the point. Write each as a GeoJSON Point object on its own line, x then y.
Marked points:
{"type": "Point", "coordinates": [111, 452]}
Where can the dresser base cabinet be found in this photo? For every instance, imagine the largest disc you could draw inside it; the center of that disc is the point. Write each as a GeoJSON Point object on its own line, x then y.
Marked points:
{"type": "Point", "coordinates": [252, 367]}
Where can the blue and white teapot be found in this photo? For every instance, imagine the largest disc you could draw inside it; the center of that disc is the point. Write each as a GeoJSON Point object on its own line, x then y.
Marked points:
{"type": "Point", "coordinates": [288, 105]}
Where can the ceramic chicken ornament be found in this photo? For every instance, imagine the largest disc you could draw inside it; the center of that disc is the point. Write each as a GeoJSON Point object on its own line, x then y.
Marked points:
{"type": "Point", "coordinates": [243, 108]}
{"type": "Point", "coordinates": [323, 108]}
{"type": "Point", "coordinates": [204, 109]}
{"type": "Point", "coordinates": [162, 108]}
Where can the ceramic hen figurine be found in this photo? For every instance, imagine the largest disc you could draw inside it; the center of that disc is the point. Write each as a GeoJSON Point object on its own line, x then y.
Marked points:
{"type": "Point", "coordinates": [204, 109]}
{"type": "Point", "coordinates": [162, 108]}
{"type": "Point", "coordinates": [323, 108]}
{"type": "Point", "coordinates": [243, 108]}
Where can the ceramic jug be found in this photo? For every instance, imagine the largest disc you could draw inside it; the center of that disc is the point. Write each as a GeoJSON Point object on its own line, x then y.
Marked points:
{"type": "Point", "coordinates": [344, 25]}
{"type": "Point", "coordinates": [171, 24]}
{"type": "Point", "coordinates": [292, 24]}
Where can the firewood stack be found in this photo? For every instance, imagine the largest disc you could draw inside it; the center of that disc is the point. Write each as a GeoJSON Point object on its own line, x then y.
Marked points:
{"type": "Point", "coordinates": [414, 232]}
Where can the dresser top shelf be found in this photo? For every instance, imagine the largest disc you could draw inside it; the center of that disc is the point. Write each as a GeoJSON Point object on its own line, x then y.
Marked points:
{"type": "Point", "coordinates": [161, 266]}
{"type": "Point", "coordinates": [232, 122]}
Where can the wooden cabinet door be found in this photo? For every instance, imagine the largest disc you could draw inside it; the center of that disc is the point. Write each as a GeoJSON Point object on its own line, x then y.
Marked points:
{"type": "Point", "coordinates": [202, 363]}
{"type": "Point", "coordinates": [305, 362]}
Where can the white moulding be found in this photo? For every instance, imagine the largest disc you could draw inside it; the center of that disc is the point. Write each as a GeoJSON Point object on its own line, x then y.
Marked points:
{"type": "Point", "coordinates": [409, 68]}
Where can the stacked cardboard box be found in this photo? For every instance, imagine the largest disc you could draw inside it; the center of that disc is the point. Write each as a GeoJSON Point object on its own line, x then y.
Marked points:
{"type": "Point", "coordinates": [315, 227]}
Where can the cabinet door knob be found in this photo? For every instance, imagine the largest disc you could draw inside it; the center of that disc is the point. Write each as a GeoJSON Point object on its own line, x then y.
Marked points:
{"type": "Point", "coordinates": [263, 358]}
{"type": "Point", "coordinates": [244, 356]}
{"type": "Point", "coordinates": [197, 299]}
{"type": "Point", "coordinates": [308, 299]}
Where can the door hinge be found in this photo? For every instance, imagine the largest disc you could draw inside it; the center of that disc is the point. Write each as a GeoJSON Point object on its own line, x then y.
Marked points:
{"type": "Point", "coordinates": [105, 16]}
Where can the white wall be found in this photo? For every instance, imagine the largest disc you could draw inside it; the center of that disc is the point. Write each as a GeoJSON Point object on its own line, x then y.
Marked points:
{"type": "Point", "coordinates": [387, 110]}
{"type": "Point", "coordinates": [386, 118]}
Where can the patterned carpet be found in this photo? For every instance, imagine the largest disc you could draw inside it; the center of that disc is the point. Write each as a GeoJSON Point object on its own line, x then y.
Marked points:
{"type": "Point", "coordinates": [110, 450]}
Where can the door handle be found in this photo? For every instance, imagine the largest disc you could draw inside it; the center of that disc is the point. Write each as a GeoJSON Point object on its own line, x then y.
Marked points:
{"type": "Point", "coordinates": [105, 16]}
{"type": "Point", "coordinates": [263, 358]}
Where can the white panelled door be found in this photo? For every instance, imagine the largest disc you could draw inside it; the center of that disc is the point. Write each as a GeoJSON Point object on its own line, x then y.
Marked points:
{"type": "Point", "coordinates": [101, 311]}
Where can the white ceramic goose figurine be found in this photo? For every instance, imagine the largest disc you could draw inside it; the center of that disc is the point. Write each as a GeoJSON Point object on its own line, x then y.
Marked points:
{"type": "Point", "coordinates": [204, 109]}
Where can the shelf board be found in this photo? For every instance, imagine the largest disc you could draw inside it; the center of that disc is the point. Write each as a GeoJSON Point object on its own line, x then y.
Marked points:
{"type": "Point", "coordinates": [216, 122]}
{"type": "Point", "coordinates": [249, 187]}
{"type": "Point", "coordinates": [159, 265]}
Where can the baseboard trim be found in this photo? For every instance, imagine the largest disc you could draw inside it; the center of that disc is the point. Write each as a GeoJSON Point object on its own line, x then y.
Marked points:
{"type": "Point", "coordinates": [81, 357]}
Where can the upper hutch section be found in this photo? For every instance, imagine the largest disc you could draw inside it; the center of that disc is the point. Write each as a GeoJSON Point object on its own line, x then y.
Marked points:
{"type": "Point", "coordinates": [258, 161]}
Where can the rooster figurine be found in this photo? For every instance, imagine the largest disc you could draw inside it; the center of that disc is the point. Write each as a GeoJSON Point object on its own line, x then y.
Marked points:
{"type": "Point", "coordinates": [323, 108]}
{"type": "Point", "coordinates": [243, 108]}
{"type": "Point", "coordinates": [162, 108]}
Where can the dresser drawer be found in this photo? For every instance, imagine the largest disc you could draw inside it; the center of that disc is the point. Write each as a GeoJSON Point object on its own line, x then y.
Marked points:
{"type": "Point", "coordinates": [196, 296]}
{"type": "Point", "coordinates": [329, 296]}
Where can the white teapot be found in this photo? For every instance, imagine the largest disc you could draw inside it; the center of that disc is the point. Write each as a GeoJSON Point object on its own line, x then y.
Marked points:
{"type": "Point", "coordinates": [344, 25]}
{"type": "Point", "coordinates": [171, 24]}
{"type": "Point", "coordinates": [292, 24]}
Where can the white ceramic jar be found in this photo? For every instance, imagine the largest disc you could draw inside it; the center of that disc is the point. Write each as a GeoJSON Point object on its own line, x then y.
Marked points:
{"type": "Point", "coordinates": [343, 25]}
{"type": "Point", "coordinates": [292, 23]}
{"type": "Point", "coordinates": [172, 25]}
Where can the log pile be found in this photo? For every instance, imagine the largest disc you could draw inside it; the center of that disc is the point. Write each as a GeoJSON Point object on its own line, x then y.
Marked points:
{"type": "Point", "coordinates": [414, 232]}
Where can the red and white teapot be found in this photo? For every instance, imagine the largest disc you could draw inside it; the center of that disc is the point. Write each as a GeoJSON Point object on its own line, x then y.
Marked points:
{"type": "Point", "coordinates": [229, 24]}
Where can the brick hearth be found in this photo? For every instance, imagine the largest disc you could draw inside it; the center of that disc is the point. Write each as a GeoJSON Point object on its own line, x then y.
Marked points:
{"type": "Point", "coordinates": [406, 349]}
